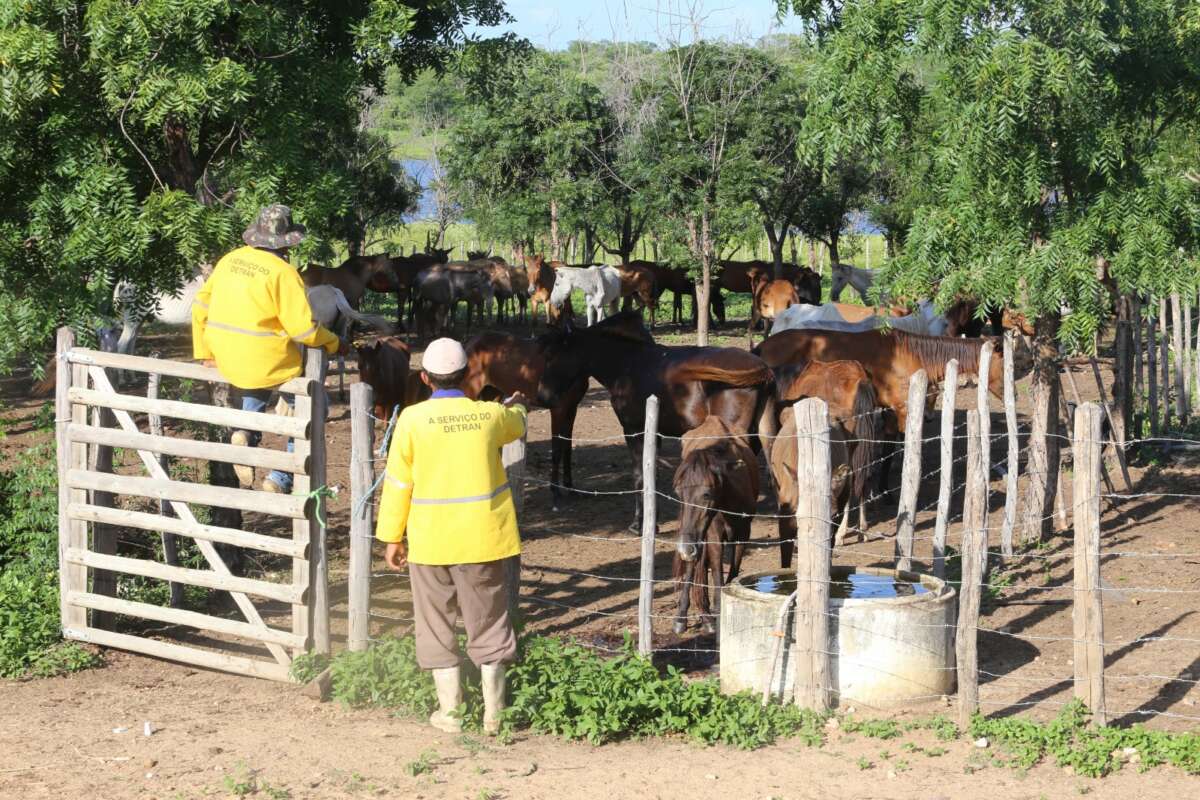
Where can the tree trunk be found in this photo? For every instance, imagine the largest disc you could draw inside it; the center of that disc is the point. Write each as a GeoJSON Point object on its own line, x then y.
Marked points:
{"type": "Point", "coordinates": [833, 249]}
{"type": "Point", "coordinates": [792, 247]}
{"type": "Point", "coordinates": [589, 244]}
{"type": "Point", "coordinates": [701, 241]}
{"type": "Point", "coordinates": [812, 255]}
{"type": "Point", "coordinates": [1043, 439]}
{"type": "Point", "coordinates": [776, 243]}
{"type": "Point", "coordinates": [555, 246]}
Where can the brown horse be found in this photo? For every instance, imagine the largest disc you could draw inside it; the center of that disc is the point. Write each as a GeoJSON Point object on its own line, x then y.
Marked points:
{"type": "Point", "coordinates": [785, 477]}
{"type": "Point", "coordinates": [540, 277]}
{"type": "Point", "coordinates": [499, 365]}
{"type": "Point", "coordinates": [383, 364]}
{"type": "Point", "coordinates": [680, 285]}
{"type": "Point", "coordinates": [739, 276]}
{"type": "Point", "coordinates": [406, 269]}
{"type": "Point", "coordinates": [717, 486]}
{"type": "Point", "coordinates": [770, 298]}
{"type": "Point", "coordinates": [691, 383]}
{"type": "Point", "coordinates": [355, 275]}
{"type": "Point", "coordinates": [637, 281]}
{"type": "Point", "coordinates": [848, 392]}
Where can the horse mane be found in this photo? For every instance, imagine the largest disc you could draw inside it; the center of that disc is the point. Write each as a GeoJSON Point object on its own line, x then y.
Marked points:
{"type": "Point", "coordinates": [700, 466]}
{"type": "Point", "coordinates": [625, 325]}
{"type": "Point", "coordinates": [727, 365]}
{"type": "Point", "coordinates": [934, 351]}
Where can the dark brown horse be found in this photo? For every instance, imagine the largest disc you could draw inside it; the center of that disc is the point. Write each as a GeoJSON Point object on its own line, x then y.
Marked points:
{"type": "Point", "coordinates": [354, 277]}
{"type": "Point", "coordinates": [691, 383]}
{"type": "Point", "coordinates": [717, 486]}
{"type": "Point", "coordinates": [678, 282]}
{"type": "Point", "coordinates": [383, 364]}
{"type": "Point", "coordinates": [499, 365]}
{"type": "Point", "coordinates": [406, 269]}
{"type": "Point", "coordinates": [739, 277]}
{"type": "Point", "coordinates": [848, 392]}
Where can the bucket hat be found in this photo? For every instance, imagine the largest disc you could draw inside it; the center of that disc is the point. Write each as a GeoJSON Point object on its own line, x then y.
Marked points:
{"type": "Point", "coordinates": [274, 229]}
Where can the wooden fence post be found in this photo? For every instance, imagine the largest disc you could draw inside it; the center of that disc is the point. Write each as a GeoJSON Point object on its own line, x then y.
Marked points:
{"type": "Point", "coordinates": [513, 457]}
{"type": "Point", "coordinates": [170, 542]}
{"type": "Point", "coordinates": [1164, 364]}
{"type": "Point", "coordinates": [1187, 356]}
{"type": "Point", "coordinates": [1121, 411]}
{"type": "Point", "coordinates": [910, 480]}
{"type": "Point", "coordinates": [1152, 371]}
{"type": "Point", "coordinates": [974, 557]}
{"type": "Point", "coordinates": [313, 619]}
{"type": "Point", "coordinates": [1088, 611]}
{"type": "Point", "coordinates": [1181, 410]}
{"type": "Point", "coordinates": [104, 537]}
{"type": "Point", "coordinates": [1139, 385]}
{"type": "Point", "coordinates": [362, 512]}
{"type": "Point", "coordinates": [1113, 423]}
{"type": "Point", "coordinates": [985, 422]}
{"type": "Point", "coordinates": [649, 527]}
{"type": "Point", "coordinates": [813, 674]}
{"type": "Point", "coordinates": [1013, 460]}
{"type": "Point", "coordinates": [72, 535]}
{"type": "Point", "coordinates": [946, 472]}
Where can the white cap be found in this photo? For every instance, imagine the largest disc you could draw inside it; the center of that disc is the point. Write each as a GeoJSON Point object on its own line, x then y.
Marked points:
{"type": "Point", "coordinates": [444, 357]}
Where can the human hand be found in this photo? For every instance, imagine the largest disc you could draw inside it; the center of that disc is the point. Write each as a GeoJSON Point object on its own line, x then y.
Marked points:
{"type": "Point", "coordinates": [396, 555]}
{"type": "Point", "coordinates": [210, 363]}
{"type": "Point", "coordinates": [516, 399]}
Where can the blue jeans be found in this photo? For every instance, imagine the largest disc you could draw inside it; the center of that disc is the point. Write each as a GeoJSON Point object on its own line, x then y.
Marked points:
{"type": "Point", "coordinates": [256, 400]}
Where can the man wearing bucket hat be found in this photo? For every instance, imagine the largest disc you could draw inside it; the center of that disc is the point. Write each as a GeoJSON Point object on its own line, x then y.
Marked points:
{"type": "Point", "coordinates": [251, 317]}
{"type": "Point", "coordinates": [446, 492]}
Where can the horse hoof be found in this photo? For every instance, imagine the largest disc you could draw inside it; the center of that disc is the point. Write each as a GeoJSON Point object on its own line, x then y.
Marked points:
{"type": "Point", "coordinates": [679, 626]}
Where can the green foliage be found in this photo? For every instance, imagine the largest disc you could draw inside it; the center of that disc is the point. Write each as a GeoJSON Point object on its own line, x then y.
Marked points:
{"type": "Point", "coordinates": [29, 613]}
{"type": "Point", "coordinates": [137, 139]}
{"type": "Point", "coordinates": [1089, 751]}
{"type": "Point", "coordinates": [423, 764]}
{"type": "Point", "coordinates": [307, 666]}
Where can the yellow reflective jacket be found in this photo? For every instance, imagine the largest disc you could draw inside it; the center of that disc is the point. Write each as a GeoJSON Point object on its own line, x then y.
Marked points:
{"type": "Point", "coordinates": [251, 316]}
{"type": "Point", "coordinates": [445, 481]}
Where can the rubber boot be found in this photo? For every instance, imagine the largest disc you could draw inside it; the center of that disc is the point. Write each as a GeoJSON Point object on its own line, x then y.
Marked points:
{"type": "Point", "coordinates": [493, 696]}
{"type": "Point", "coordinates": [244, 472]}
{"type": "Point", "coordinates": [449, 694]}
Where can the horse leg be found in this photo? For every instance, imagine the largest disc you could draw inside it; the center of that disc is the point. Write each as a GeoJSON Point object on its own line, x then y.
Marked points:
{"type": "Point", "coordinates": [632, 441]}
{"type": "Point", "coordinates": [715, 569]}
{"type": "Point", "coordinates": [341, 377]}
{"type": "Point", "coordinates": [840, 537]}
{"type": "Point", "coordinates": [889, 448]}
{"type": "Point", "coordinates": [682, 572]}
{"type": "Point", "coordinates": [787, 541]}
{"type": "Point", "coordinates": [862, 517]}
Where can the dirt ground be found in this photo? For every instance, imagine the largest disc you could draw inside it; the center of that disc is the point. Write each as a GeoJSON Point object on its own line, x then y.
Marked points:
{"type": "Point", "coordinates": [580, 569]}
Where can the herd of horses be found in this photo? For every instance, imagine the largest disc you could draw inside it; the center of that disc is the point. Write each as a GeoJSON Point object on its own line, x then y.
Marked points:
{"type": "Point", "coordinates": [728, 405]}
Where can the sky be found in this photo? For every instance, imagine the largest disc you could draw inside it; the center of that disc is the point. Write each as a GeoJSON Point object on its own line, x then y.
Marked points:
{"type": "Point", "coordinates": [553, 24]}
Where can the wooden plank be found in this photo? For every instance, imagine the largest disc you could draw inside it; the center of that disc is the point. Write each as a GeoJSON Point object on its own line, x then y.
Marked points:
{"type": "Point", "coordinates": [280, 505]}
{"type": "Point", "coordinates": [362, 513]}
{"type": "Point", "coordinates": [302, 531]}
{"type": "Point", "coordinates": [982, 402]}
{"type": "Point", "coordinates": [1152, 372]}
{"type": "Point", "coordinates": [209, 659]}
{"type": "Point", "coordinates": [263, 457]}
{"type": "Point", "coordinates": [910, 481]}
{"type": "Point", "coordinates": [1113, 426]}
{"type": "Point", "coordinates": [1181, 410]}
{"type": "Point", "coordinates": [649, 526]}
{"type": "Point", "coordinates": [175, 616]}
{"type": "Point", "coordinates": [196, 412]}
{"type": "Point", "coordinates": [104, 537]}
{"type": "Point", "coordinates": [315, 365]}
{"type": "Point", "coordinates": [1164, 364]}
{"type": "Point", "coordinates": [170, 542]}
{"type": "Point", "coordinates": [1088, 611]}
{"type": "Point", "coordinates": [1013, 460]}
{"type": "Point", "coordinates": [946, 472]}
{"type": "Point", "coordinates": [183, 512]}
{"type": "Point", "coordinates": [71, 577]}
{"type": "Point", "coordinates": [173, 525]}
{"type": "Point", "coordinates": [813, 682]}
{"type": "Point", "coordinates": [282, 592]}
{"type": "Point", "coordinates": [174, 369]}
{"type": "Point", "coordinates": [974, 555]}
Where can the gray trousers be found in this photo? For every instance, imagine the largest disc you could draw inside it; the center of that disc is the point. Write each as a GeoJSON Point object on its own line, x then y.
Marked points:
{"type": "Point", "coordinates": [476, 593]}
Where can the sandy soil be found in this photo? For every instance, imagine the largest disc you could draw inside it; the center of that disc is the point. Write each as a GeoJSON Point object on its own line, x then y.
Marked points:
{"type": "Point", "coordinates": [580, 570]}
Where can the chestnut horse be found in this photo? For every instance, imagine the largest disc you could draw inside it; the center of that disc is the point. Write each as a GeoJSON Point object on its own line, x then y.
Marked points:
{"type": "Point", "coordinates": [848, 392]}
{"type": "Point", "coordinates": [770, 298]}
{"type": "Point", "coordinates": [691, 383]}
{"type": "Point", "coordinates": [499, 364]}
{"type": "Point", "coordinates": [540, 278]}
{"type": "Point", "coordinates": [739, 276]}
{"type": "Point", "coordinates": [355, 275]}
{"type": "Point", "coordinates": [637, 280]}
{"type": "Point", "coordinates": [717, 486]}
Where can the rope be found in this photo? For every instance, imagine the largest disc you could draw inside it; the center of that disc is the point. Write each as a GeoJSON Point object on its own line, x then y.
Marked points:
{"type": "Point", "coordinates": [318, 495]}
{"type": "Point", "coordinates": [369, 495]}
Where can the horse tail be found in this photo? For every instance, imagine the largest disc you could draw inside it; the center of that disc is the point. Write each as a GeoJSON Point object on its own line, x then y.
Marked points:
{"type": "Point", "coordinates": [738, 377]}
{"type": "Point", "coordinates": [867, 431]}
{"type": "Point", "coordinates": [371, 320]}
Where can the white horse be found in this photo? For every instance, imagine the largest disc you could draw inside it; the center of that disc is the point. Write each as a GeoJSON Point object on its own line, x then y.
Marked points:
{"type": "Point", "coordinates": [861, 279]}
{"type": "Point", "coordinates": [600, 284]}
{"type": "Point", "coordinates": [826, 317]}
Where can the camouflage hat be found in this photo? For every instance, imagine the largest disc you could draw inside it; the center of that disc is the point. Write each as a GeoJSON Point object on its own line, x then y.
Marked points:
{"type": "Point", "coordinates": [274, 229]}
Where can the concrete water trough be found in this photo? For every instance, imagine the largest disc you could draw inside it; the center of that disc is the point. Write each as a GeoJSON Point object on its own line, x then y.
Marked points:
{"type": "Point", "coordinates": [891, 636]}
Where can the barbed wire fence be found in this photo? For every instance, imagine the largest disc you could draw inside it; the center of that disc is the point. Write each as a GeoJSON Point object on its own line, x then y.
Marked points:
{"type": "Point", "coordinates": [811, 661]}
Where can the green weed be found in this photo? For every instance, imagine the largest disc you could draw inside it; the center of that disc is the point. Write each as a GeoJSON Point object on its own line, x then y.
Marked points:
{"type": "Point", "coordinates": [423, 764]}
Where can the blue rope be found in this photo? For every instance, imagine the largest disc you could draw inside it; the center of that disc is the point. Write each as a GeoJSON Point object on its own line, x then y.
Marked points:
{"type": "Point", "coordinates": [361, 506]}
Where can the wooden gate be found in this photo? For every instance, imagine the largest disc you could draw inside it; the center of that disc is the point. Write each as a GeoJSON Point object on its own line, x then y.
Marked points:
{"type": "Point", "coordinates": [90, 516]}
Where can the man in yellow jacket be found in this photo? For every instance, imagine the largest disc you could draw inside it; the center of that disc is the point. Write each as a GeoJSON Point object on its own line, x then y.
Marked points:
{"type": "Point", "coordinates": [446, 488]}
{"type": "Point", "coordinates": [250, 318]}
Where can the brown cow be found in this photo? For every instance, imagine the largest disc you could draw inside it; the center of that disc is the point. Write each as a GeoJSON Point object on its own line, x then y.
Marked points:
{"type": "Point", "coordinates": [770, 298]}
{"type": "Point", "coordinates": [717, 486]}
{"type": "Point", "coordinates": [383, 364]}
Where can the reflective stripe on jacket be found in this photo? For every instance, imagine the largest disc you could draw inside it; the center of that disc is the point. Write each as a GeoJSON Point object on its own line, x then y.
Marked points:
{"type": "Point", "coordinates": [446, 484]}
{"type": "Point", "coordinates": [251, 316]}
